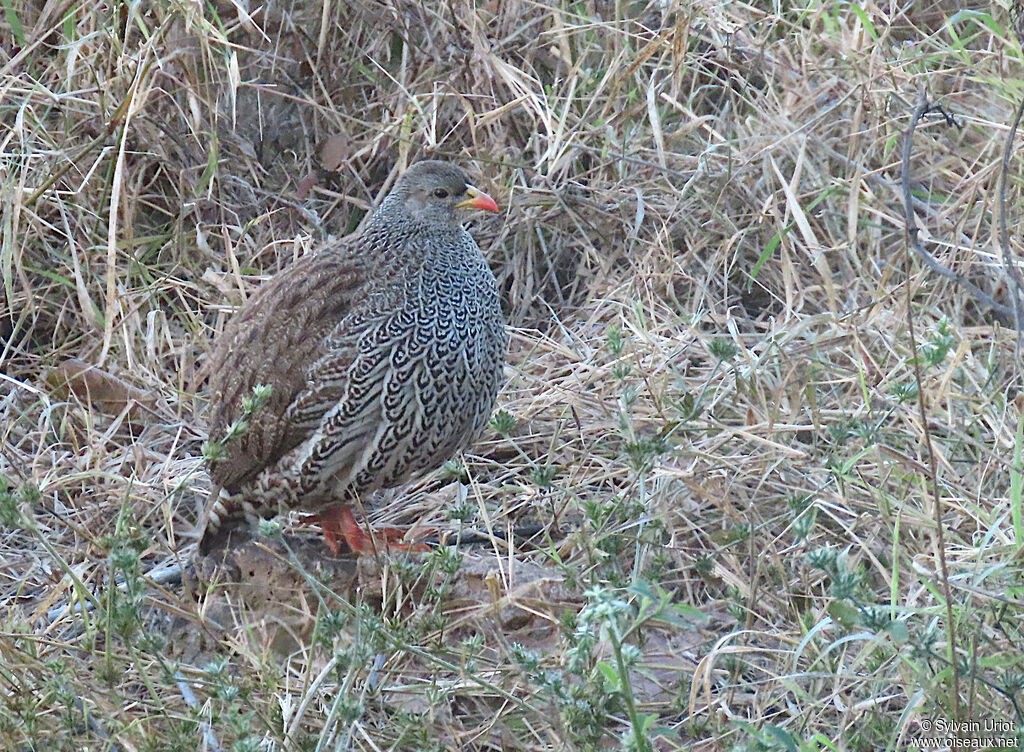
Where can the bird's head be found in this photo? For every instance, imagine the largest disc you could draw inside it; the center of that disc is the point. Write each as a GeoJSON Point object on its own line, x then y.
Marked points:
{"type": "Point", "coordinates": [431, 191]}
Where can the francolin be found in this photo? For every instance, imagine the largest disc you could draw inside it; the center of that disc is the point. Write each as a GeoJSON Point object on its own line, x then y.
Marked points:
{"type": "Point", "coordinates": [383, 356]}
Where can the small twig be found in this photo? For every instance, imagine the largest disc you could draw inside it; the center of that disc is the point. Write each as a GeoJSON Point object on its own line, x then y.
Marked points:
{"type": "Point", "coordinates": [1009, 263]}
{"type": "Point", "coordinates": [1006, 313]}
{"type": "Point", "coordinates": [373, 678]}
{"type": "Point", "coordinates": [520, 534]}
{"type": "Point", "coordinates": [209, 738]}
{"type": "Point", "coordinates": [320, 589]}
{"type": "Point", "coordinates": [94, 724]}
{"type": "Point", "coordinates": [307, 215]}
{"type": "Point", "coordinates": [921, 108]}
{"type": "Point", "coordinates": [161, 575]}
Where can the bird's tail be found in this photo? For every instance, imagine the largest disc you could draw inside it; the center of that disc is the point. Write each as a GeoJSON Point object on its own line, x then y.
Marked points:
{"type": "Point", "coordinates": [224, 511]}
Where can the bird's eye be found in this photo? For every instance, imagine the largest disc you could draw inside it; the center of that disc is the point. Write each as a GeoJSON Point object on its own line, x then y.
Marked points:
{"type": "Point", "coordinates": [440, 193]}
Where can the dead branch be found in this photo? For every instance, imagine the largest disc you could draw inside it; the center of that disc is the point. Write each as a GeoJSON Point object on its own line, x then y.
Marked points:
{"type": "Point", "coordinates": [1005, 313]}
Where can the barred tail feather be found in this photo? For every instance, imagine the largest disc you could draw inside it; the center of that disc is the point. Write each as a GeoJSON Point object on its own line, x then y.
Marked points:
{"type": "Point", "coordinates": [222, 512]}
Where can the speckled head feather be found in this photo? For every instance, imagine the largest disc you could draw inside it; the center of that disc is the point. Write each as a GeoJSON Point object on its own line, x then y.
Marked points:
{"type": "Point", "coordinates": [383, 356]}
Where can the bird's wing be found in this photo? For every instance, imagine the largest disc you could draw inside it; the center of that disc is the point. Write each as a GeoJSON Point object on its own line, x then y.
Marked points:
{"type": "Point", "coordinates": [274, 340]}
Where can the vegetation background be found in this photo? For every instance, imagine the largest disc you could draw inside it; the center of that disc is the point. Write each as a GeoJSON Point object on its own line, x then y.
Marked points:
{"type": "Point", "coordinates": [764, 512]}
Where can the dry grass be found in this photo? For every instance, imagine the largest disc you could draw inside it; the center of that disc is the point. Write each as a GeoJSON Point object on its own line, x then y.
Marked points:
{"type": "Point", "coordinates": [711, 404]}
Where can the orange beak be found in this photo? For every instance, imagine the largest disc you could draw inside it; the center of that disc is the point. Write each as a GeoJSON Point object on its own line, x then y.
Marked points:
{"type": "Point", "coordinates": [477, 200]}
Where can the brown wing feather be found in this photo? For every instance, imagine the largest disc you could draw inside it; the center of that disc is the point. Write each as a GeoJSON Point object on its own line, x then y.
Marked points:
{"type": "Point", "coordinates": [273, 339]}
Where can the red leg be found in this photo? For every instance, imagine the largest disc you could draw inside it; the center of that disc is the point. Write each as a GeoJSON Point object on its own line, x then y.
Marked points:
{"type": "Point", "coordinates": [330, 526]}
{"type": "Point", "coordinates": [338, 523]}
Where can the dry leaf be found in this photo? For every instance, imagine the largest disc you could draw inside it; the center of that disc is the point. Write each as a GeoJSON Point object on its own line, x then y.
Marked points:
{"type": "Point", "coordinates": [97, 387]}
{"type": "Point", "coordinates": [305, 186]}
{"type": "Point", "coordinates": [334, 152]}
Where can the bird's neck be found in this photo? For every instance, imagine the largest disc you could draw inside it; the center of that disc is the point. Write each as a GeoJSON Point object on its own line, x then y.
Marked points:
{"type": "Point", "coordinates": [390, 208]}
{"type": "Point", "coordinates": [392, 218]}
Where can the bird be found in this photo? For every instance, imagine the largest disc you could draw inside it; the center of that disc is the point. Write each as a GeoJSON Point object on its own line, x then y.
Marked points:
{"type": "Point", "coordinates": [361, 366]}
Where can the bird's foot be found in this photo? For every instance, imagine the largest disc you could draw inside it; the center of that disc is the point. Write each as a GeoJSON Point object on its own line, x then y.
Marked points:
{"type": "Point", "coordinates": [339, 524]}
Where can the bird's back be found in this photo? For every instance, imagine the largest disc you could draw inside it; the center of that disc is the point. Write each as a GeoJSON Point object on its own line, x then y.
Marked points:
{"type": "Point", "coordinates": [271, 340]}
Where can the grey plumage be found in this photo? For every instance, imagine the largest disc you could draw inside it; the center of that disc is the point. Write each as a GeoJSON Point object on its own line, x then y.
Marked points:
{"type": "Point", "coordinates": [384, 356]}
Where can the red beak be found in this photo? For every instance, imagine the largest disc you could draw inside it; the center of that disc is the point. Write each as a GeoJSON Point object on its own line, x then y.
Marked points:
{"type": "Point", "coordinates": [477, 200]}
